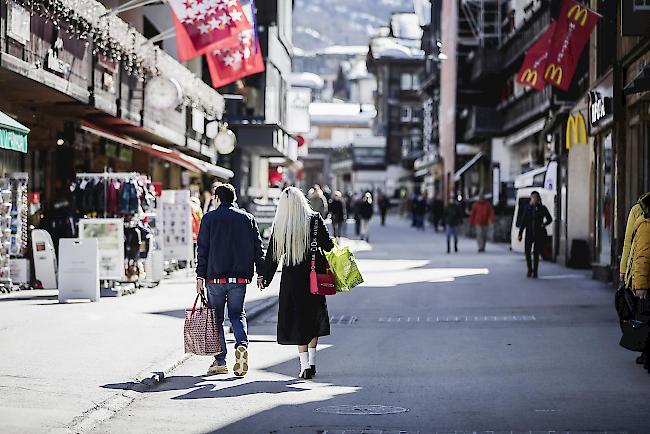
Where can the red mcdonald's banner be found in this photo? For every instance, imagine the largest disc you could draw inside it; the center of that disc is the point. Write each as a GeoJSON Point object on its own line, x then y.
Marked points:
{"type": "Point", "coordinates": [532, 70]}
{"type": "Point", "coordinates": [572, 30]}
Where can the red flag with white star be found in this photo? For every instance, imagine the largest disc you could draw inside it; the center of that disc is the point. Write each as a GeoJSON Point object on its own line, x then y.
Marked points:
{"type": "Point", "coordinates": [240, 59]}
{"type": "Point", "coordinates": [206, 24]}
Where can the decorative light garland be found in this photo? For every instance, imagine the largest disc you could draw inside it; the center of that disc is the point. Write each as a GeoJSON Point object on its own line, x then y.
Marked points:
{"type": "Point", "coordinates": [112, 37]}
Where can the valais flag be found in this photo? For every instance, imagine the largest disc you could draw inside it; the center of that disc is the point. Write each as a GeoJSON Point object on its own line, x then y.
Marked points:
{"type": "Point", "coordinates": [532, 70]}
{"type": "Point", "coordinates": [241, 58]}
{"type": "Point", "coordinates": [572, 30]}
{"type": "Point", "coordinates": [204, 25]}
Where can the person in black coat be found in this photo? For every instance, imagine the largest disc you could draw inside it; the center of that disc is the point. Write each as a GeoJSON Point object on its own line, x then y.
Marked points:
{"type": "Point", "coordinates": [337, 212]}
{"type": "Point", "coordinates": [536, 218]}
{"type": "Point", "coordinates": [302, 316]}
{"type": "Point", "coordinates": [366, 212]}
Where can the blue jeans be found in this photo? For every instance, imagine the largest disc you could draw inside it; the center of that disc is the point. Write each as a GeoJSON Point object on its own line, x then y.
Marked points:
{"type": "Point", "coordinates": [231, 294]}
{"type": "Point", "coordinates": [452, 232]}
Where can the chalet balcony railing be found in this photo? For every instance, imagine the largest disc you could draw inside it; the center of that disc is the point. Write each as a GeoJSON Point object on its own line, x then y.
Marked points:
{"type": "Point", "coordinates": [531, 105]}
{"type": "Point", "coordinates": [482, 123]}
{"type": "Point", "coordinates": [514, 47]}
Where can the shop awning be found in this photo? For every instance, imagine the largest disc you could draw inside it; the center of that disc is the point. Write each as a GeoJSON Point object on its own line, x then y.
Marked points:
{"type": "Point", "coordinates": [13, 135]}
{"type": "Point", "coordinates": [175, 157]}
{"type": "Point", "coordinates": [467, 166]}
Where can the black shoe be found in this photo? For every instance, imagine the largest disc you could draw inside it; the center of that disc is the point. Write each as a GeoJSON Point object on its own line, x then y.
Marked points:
{"type": "Point", "coordinates": [529, 274]}
{"type": "Point", "coordinates": [306, 374]}
{"type": "Point", "coordinates": [534, 274]}
{"type": "Point", "coordinates": [641, 359]}
{"type": "Point", "coordinates": [312, 369]}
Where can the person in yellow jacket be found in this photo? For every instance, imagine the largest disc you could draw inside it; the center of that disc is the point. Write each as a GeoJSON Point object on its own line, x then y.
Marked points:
{"type": "Point", "coordinates": [637, 211]}
{"type": "Point", "coordinates": [637, 275]}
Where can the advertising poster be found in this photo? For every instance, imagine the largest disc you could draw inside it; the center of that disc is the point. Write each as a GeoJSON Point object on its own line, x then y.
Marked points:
{"type": "Point", "coordinates": [110, 240]}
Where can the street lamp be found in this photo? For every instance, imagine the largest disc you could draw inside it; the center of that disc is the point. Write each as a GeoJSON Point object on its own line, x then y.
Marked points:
{"type": "Point", "coordinates": [226, 140]}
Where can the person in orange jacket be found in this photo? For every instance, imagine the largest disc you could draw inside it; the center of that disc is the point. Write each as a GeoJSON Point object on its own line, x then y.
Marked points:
{"type": "Point", "coordinates": [481, 217]}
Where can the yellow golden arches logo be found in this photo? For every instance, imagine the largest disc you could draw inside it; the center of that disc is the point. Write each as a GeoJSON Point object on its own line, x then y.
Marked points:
{"type": "Point", "coordinates": [576, 130]}
{"type": "Point", "coordinates": [553, 73]}
{"type": "Point", "coordinates": [529, 76]}
{"type": "Point", "coordinates": [578, 14]}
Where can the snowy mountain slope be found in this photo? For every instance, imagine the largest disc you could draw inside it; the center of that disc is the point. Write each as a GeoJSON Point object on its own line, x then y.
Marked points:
{"type": "Point", "coordinates": [321, 23]}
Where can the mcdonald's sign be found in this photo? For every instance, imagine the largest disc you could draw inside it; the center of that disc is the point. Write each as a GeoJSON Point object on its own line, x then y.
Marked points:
{"type": "Point", "coordinates": [529, 76]}
{"type": "Point", "coordinates": [553, 74]}
{"type": "Point", "coordinates": [572, 30]}
{"type": "Point", "coordinates": [578, 14]}
{"type": "Point", "coordinates": [576, 130]}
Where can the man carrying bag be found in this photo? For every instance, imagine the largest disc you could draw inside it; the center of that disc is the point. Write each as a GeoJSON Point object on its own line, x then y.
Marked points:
{"type": "Point", "coordinates": [229, 247]}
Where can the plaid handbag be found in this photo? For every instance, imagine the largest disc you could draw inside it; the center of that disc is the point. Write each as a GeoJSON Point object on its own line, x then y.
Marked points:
{"type": "Point", "coordinates": [201, 334]}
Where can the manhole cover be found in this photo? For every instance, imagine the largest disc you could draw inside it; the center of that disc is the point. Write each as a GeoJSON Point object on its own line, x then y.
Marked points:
{"type": "Point", "coordinates": [362, 409]}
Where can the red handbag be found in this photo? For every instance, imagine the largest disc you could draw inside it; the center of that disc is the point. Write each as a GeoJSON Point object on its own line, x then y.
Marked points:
{"type": "Point", "coordinates": [320, 284]}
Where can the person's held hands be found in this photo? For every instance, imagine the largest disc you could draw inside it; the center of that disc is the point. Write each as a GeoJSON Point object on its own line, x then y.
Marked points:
{"type": "Point", "coordinates": [260, 283]}
{"type": "Point", "coordinates": [642, 294]}
{"type": "Point", "coordinates": [519, 238]}
{"type": "Point", "coordinates": [200, 285]}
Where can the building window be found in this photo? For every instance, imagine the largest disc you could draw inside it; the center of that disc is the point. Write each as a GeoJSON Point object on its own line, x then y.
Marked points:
{"type": "Point", "coordinates": [409, 81]}
{"type": "Point", "coordinates": [405, 114]}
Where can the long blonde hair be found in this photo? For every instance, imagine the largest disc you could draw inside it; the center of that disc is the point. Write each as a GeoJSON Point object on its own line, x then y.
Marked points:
{"type": "Point", "coordinates": [291, 227]}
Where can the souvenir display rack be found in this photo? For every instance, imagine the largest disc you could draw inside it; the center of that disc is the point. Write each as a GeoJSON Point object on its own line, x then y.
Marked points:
{"type": "Point", "coordinates": [5, 234]}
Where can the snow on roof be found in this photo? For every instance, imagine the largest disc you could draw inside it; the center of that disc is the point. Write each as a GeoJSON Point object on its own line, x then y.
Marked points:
{"type": "Point", "coordinates": [341, 113]}
{"type": "Point", "coordinates": [406, 26]}
{"type": "Point", "coordinates": [394, 48]}
{"type": "Point", "coordinates": [306, 79]}
{"type": "Point", "coordinates": [423, 11]}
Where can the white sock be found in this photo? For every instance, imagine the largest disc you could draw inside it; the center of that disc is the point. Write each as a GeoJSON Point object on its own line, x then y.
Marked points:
{"type": "Point", "coordinates": [304, 361]}
{"type": "Point", "coordinates": [312, 356]}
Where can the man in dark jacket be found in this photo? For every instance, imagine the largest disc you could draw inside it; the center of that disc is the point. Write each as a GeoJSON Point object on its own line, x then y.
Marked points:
{"type": "Point", "coordinates": [536, 218]}
{"type": "Point", "coordinates": [452, 217]}
{"type": "Point", "coordinates": [229, 246]}
{"type": "Point", "coordinates": [337, 211]}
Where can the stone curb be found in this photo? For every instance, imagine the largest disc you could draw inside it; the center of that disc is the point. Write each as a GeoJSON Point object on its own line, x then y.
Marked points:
{"type": "Point", "coordinates": [143, 382]}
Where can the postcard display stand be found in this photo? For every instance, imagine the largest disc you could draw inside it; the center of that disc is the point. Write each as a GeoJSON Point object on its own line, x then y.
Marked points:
{"type": "Point", "coordinates": [177, 226]}
{"type": "Point", "coordinates": [14, 268]}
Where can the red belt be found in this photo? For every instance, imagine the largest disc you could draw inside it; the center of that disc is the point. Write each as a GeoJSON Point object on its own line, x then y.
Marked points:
{"type": "Point", "coordinates": [223, 280]}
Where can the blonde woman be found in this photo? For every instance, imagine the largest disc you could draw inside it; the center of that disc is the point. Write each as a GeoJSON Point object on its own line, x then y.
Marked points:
{"type": "Point", "coordinates": [302, 317]}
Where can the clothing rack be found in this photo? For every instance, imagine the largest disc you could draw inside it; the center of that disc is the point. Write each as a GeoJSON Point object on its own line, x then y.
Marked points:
{"type": "Point", "coordinates": [110, 175]}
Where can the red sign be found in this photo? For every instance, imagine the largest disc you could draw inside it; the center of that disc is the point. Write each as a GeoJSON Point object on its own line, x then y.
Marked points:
{"type": "Point", "coordinates": [532, 70]}
{"type": "Point", "coordinates": [575, 24]}
{"type": "Point", "coordinates": [34, 198]}
{"type": "Point", "coordinates": [157, 187]}
{"type": "Point", "coordinates": [205, 24]}
{"type": "Point", "coordinates": [241, 58]}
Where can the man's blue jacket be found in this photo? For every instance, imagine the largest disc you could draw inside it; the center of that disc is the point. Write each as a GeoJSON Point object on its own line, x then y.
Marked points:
{"type": "Point", "coordinates": [228, 245]}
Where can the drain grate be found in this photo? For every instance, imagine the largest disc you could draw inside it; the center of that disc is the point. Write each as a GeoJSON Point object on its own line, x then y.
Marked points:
{"type": "Point", "coordinates": [372, 410]}
{"type": "Point", "coordinates": [458, 318]}
{"type": "Point", "coordinates": [334, 320]}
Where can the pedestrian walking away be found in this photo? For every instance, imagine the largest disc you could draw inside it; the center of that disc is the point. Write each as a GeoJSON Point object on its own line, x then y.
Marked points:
{"type": "Point", "coordinates": [452, 217]}
{"type": "Point", "coordinates": [635, 263]}
{"type": "Point", "coordinates": [536, 218]}
{"type": "Point", "coordinates": [229, 247]}
{"type": "Point", "coordinates": [419, 210]}
{"type": "Point", "coordinates": [337, 213]}
{"type": "Point", "coordinates": [383, 202]}
{"type": "Point", "coordinates": [302, 316]}
{"type": "Point", "coordinates": [481, 217]}
{"type": "Point", "coordinates": [317, 200]}
{"type": "Point", "coordinates": [366, 212]}
{"type": "Point", "coordinates": [437, 211]}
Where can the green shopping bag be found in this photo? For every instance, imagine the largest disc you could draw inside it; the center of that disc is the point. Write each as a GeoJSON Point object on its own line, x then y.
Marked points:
{"type": "Point", "coordinates": [344, 267]}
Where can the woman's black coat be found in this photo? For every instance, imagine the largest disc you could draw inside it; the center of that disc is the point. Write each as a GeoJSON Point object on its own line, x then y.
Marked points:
{"type": "Point", "coordinates": [302, 316]}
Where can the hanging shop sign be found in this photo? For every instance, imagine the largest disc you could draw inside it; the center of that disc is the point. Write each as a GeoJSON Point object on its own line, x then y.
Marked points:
{"type": "Point", "coordinates": [13, 135]}
{"type": "Point", "coordinates": [600, 107]}
{"type": "Point", "coordinates": [635, 17]}
{"type": "Point", "coordinates": [110, 239]}
{"type": "Point", "coordinates": [576, 130]}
